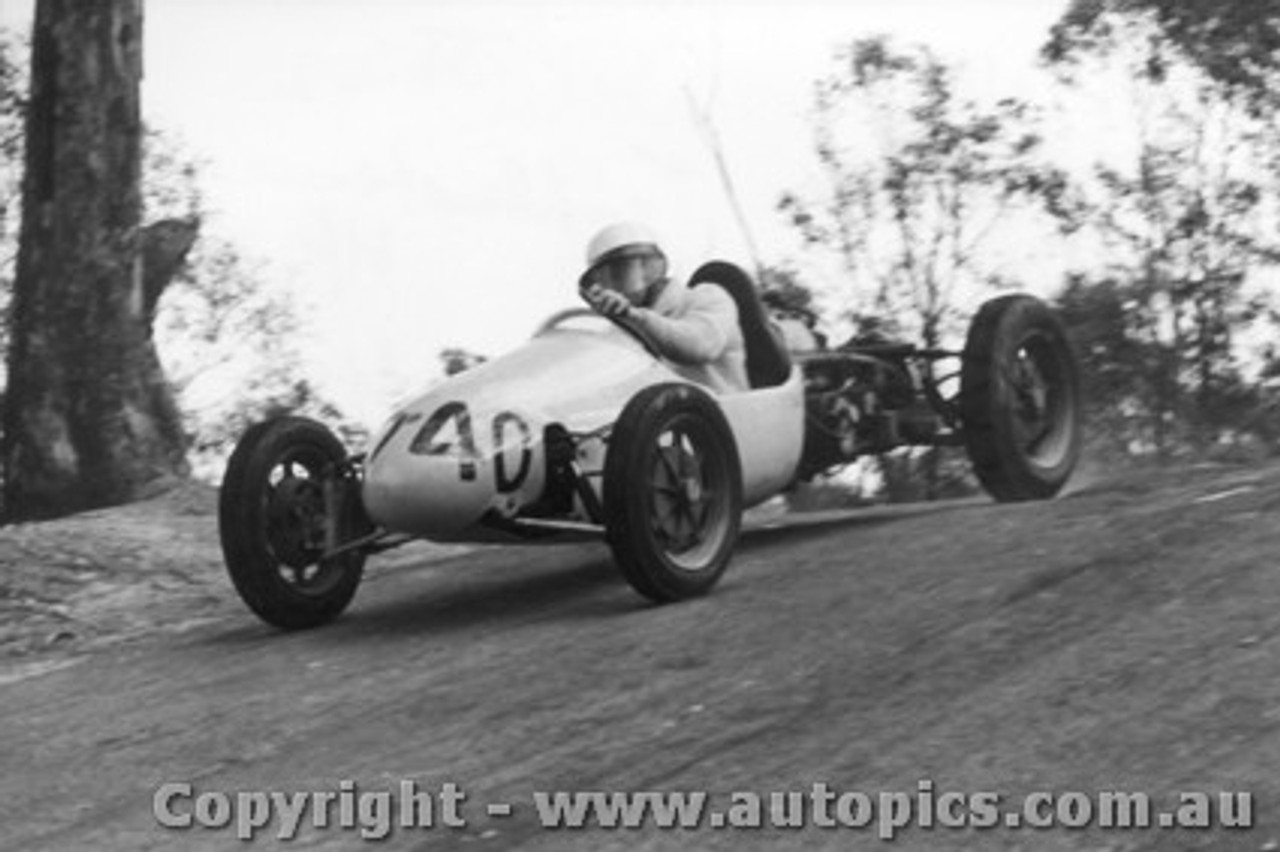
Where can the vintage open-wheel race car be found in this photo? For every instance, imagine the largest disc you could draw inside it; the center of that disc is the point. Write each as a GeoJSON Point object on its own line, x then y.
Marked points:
{"type": "Point", "coordinates": [586, 431]}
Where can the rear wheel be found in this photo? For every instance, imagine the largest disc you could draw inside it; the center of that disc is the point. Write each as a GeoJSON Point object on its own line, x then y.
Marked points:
{"type": "Point", "coordinates": [672, 492]}
{"type": "Point", "coordinates": [274, 518]}
{"type": "Point", "coordinates": [1020, 399]}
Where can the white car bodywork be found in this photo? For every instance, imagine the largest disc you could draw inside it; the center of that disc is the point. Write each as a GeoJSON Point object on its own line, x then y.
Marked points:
{"type": "Point", "coordinates": [472, 447]}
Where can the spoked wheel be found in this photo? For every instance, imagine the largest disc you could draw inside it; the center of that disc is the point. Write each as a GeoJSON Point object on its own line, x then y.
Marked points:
{"type": "Point", "coordinates": [1020, 399]}
{"type": "Point", "coordinates": [672, 492]}
{"type": "Point", "coordinates": [274, 522]}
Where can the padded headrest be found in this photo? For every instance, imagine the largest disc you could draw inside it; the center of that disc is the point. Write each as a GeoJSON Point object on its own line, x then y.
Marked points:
{"type": "Point", "coordinates": [768, 362]}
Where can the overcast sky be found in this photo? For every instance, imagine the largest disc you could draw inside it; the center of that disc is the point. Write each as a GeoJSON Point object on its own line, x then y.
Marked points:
{"type": "Point", "coordinates": [426, 174]}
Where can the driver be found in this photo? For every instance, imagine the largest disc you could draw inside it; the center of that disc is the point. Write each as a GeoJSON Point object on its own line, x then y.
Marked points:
{"type": "Point", "coordinates": [694, 328]}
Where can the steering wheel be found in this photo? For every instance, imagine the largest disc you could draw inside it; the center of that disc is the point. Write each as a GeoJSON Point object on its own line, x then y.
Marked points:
{"type": "Point", "coordinates": [562, 316]}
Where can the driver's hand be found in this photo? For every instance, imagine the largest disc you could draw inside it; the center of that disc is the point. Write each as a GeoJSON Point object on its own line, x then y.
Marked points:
{"type": "Point", "coordinates": [607, 302]}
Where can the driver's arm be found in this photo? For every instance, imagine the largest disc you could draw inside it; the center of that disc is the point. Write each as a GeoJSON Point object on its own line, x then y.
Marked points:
{"type": "Point", "coordinates": [701, 335]}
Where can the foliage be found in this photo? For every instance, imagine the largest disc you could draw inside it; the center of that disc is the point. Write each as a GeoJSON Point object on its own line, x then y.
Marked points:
{"type": "Point", "coordinates": [782, 291]}
{"type": "Point", "coordinates": [1116, 363]}
{"type": "Point", "coordinates": [456, 360]}
{"type": "Point", "coordinates": [1235, 42]}
{"type": "Point", "coordinates": [917, 179]}
{"type": "Point", "coordinates": [1185, 226]}
{"type": "Point", "coordinates": [13, 86]}
{"type": "Point", "coordinates": [912, 474]}
{"type": "Point", "coordinates": [789, 301]}
{"type": "Point", "coordinates": [224, 334]}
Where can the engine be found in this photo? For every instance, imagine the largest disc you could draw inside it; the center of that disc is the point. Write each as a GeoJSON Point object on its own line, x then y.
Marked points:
{"type": "Point", "coordinates": [858, 404]}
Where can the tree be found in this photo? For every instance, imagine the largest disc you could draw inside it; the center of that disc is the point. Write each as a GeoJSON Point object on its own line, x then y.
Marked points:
{"type": "Point", "coordinates": [1117, 362]}
{"type": "Point", "coordinates": [455, 359]}
{"type": "Point", "coordinates": [227, 337]}
{"type": "Point", "coordinates": [1183, 223]}
{"type": "Point", "coordinates": [917, 179]}
{"type": "Point", "coordinates": [1235, 42]}
{"type": "Point", "coordinates": [227, 342]}
{"type": "Point", "coordinates": [13, 84]}
{"type": "Point", "coordinates": [784, 294]}
{"type": "Point", "coordinates": [89, 419]}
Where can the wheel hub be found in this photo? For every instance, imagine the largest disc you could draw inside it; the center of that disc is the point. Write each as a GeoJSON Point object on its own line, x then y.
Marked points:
{"type": "Point", "coordinates": [681, 498]}
{"type": "Point", "coordinates": [692, 490]}
{"type": "Point", "coordinates": [296, 514]}
{"type": "Point", "coordinates": [1032, 396]}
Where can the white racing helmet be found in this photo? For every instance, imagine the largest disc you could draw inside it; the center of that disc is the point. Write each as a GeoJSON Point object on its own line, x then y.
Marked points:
{"type": "Point", "coordinates": [622, 239]}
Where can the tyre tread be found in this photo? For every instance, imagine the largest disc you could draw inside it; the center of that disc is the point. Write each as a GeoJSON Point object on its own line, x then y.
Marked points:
{"type": "Point", "coordinates": [626, 535]}
{"type": "Point", "coordinates": [243, 545]}
{"type": "Point", "coordinates": [999, 465]}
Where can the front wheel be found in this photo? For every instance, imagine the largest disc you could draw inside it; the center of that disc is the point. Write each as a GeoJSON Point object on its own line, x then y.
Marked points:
{"type": "Point", "coordinates": [282, 498]}
{"type": "Point", "coordinates": [1020, 399]}
{"type": "Point", "coordinates": [672, 492]}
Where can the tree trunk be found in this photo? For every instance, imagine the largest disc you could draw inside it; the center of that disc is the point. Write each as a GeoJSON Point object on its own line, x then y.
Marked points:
{"type": "Point", "coordinates": [89, 419]}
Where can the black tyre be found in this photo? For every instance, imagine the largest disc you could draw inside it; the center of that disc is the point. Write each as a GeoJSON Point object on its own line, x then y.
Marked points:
{"type": "Point", "coordinates": [1020, 399]}
{"type": "Point", "coordinates": [272, 519]}
{"type": "Point", "coordinates": [672, 492]}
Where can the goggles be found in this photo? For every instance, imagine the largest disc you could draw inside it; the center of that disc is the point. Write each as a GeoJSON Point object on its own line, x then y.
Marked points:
{"type": "Point", "coordinates": [615, 269]}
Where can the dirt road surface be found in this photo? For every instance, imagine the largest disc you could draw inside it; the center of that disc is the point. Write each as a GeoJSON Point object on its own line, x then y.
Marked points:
{"type": "Point", "coordinates": [1123, 638]}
